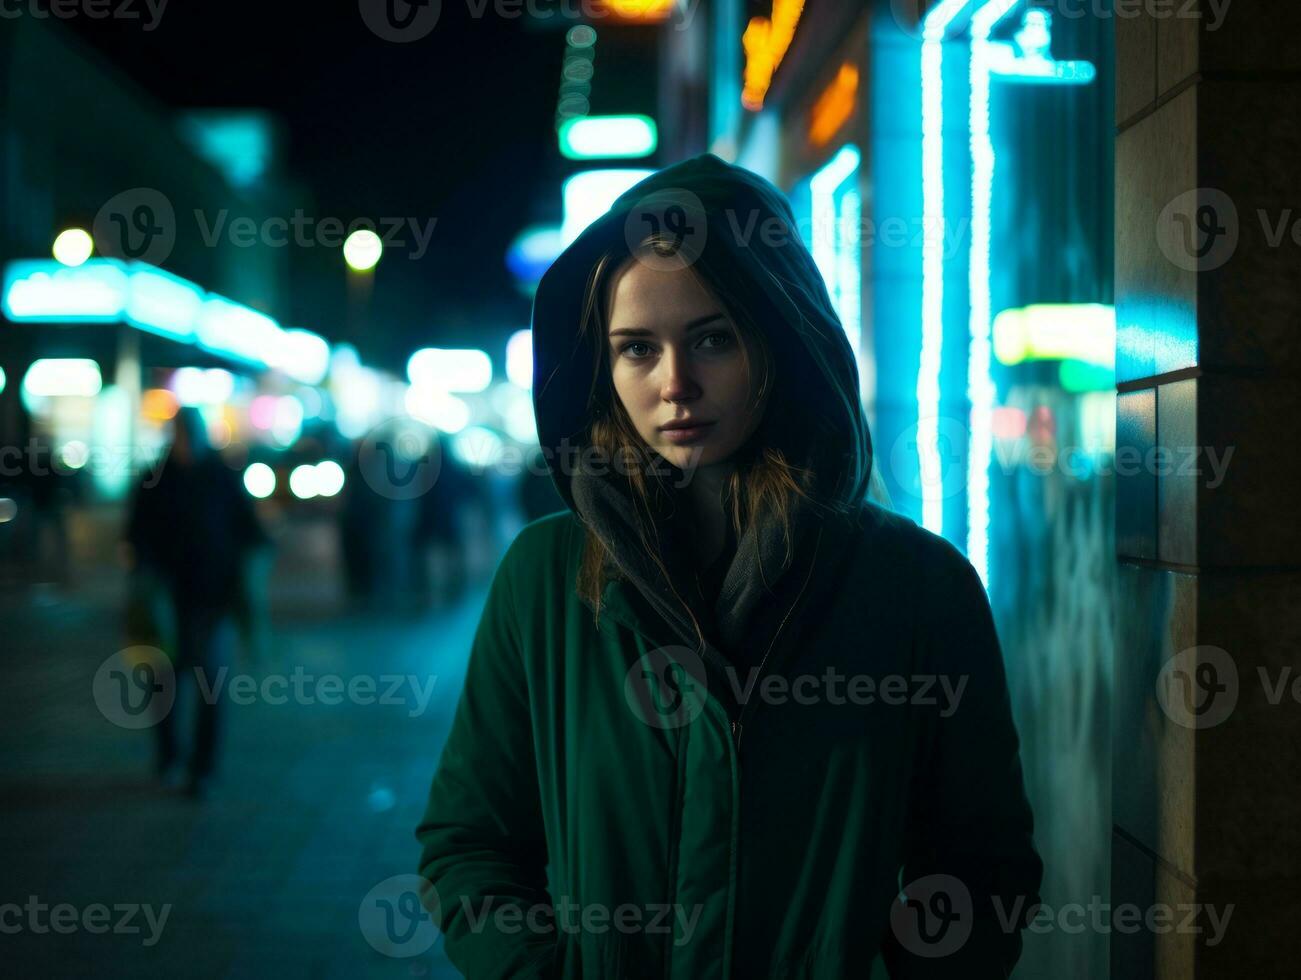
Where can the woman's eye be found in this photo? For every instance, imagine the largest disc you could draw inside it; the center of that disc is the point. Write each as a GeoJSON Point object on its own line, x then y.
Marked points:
{"type": "Point", "coordinates": [628, 348]}
{"type": "Point", "coordinates": [723, 338]}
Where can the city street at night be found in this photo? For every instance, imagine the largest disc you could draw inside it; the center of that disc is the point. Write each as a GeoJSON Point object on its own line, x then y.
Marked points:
{"type": "Point", "coordinates": [315, 806]}
{"type": "Point", "coordinates": [650, 489]}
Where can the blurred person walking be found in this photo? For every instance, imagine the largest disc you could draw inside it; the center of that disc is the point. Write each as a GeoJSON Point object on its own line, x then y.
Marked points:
{"type": "Point", "coordinates": [440, 533]}
{"type": "Point", "coordinates": [193, 531]}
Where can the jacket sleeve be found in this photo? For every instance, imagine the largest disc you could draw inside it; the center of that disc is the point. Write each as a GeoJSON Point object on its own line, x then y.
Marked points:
{"type": "Point", "coordinates": [969, 819]}
{"type": "Point", "coordinates": [483, 846]}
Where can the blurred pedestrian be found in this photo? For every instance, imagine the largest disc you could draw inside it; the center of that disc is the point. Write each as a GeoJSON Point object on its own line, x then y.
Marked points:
{"type": "Point", "coordinates": [192, 528]}
{"type": "Point", "coordinates": [439, 539]}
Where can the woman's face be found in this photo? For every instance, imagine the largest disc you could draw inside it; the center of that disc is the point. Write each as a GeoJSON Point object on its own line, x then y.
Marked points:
{"type": "Point", "coordinates": [676, 355]}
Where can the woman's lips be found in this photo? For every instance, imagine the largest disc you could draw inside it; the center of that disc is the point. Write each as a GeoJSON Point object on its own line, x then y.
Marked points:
{"type": "Point", "coordinates": [692, 434]}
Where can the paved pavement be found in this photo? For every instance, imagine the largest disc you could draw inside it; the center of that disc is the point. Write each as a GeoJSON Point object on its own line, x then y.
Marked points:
{"type": "Point", "coordinates": [287, 868]}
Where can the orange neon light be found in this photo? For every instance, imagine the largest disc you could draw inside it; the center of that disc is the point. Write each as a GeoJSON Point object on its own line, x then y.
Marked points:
{"type": "Point", "coordinates": [834, 106]}
{"type": "Point", "coordinates": [765, 42]}
{"type": "Point", "coordinates": [645, 11]}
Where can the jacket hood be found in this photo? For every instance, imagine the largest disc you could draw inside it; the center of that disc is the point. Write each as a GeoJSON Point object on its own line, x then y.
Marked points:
{"type": "Point", "coordinates": [749, 228]}
{"type": "Point", "coordinates": [743, 232]}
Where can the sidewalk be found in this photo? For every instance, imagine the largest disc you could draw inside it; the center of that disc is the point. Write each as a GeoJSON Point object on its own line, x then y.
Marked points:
{"type": "Point", "coordinates": [316, 806]}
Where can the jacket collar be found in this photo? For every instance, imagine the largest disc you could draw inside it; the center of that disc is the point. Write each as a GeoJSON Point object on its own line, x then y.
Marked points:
{"type": "Point", "coordinates": [770, 632]}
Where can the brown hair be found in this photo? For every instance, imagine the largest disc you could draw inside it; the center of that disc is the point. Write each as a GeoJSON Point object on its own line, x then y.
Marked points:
{"type": "Point", "coordinates": [764, 481]}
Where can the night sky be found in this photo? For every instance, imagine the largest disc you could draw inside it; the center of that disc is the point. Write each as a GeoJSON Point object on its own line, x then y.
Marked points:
{"type": "Point", "coordinates": [458, 125]}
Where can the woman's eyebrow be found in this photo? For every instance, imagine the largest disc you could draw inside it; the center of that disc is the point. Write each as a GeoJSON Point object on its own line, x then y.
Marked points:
{"type": "Point", "coordinates": [696, 324]}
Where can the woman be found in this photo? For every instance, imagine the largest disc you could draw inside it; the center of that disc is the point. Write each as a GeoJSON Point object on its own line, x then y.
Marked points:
{"type": "Point", "coordinates": [704, 730]}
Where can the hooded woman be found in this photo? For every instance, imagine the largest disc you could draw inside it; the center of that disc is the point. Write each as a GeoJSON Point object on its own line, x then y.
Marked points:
{"type": "Point", "coordinates": [724, 717]}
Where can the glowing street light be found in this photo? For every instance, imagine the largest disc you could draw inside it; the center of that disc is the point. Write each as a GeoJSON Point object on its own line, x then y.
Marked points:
{"type": "Point", "coordinates": [73, 246]}
{"type": "Point", "coordinates": [362, 250]}
{"type": "Point", "coordinates": [260, 480]}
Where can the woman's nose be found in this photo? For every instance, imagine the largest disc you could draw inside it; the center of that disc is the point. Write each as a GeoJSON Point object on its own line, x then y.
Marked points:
{"type": "Point", "coordinates": [677, 382]}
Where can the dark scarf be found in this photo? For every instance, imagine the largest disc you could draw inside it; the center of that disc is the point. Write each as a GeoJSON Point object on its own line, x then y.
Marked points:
{"type": "Point", "coordinates": [759, 589]}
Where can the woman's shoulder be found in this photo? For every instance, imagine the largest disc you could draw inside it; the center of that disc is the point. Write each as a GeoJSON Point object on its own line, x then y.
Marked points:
{"type": "Point", "coordinates": [895, 542]}
{"type": "Point", "coordinates": [548, 532]}
{"type": "Point", "coordinates": [544, 545]}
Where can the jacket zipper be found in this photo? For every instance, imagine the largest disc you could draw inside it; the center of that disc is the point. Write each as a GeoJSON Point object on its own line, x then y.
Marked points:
{"type": "Point", "coordinates": [737, 729]}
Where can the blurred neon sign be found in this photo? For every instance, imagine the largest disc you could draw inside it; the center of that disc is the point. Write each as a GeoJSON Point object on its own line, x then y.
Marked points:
{"type": "Point", "coordinates": [1084, 332]}
{"type": "Point", "coordinates": [765, 41]}
{"type": "Point", "coordinates": [593, 137]}
{"type": "Point", "coordinates": [834, 106]}
{"type": "Point", "coordinates": [46, 291]}
{"type": "Point", "coordinates": [151, 299]}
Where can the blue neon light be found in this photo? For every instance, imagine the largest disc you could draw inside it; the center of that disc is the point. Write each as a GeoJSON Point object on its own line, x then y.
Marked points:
{"type": "Point", "coordinates": [934, 28]}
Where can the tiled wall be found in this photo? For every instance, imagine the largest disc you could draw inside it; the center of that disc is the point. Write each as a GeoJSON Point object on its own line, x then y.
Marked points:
{"type": "Point", "coordinates": [1207, 807]}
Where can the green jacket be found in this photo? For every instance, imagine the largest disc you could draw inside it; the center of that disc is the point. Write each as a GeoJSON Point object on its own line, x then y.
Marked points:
{"type": "Point", "coordinates": [777, 847]}
{"type": "Point", "coordinates": [616, 801]}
